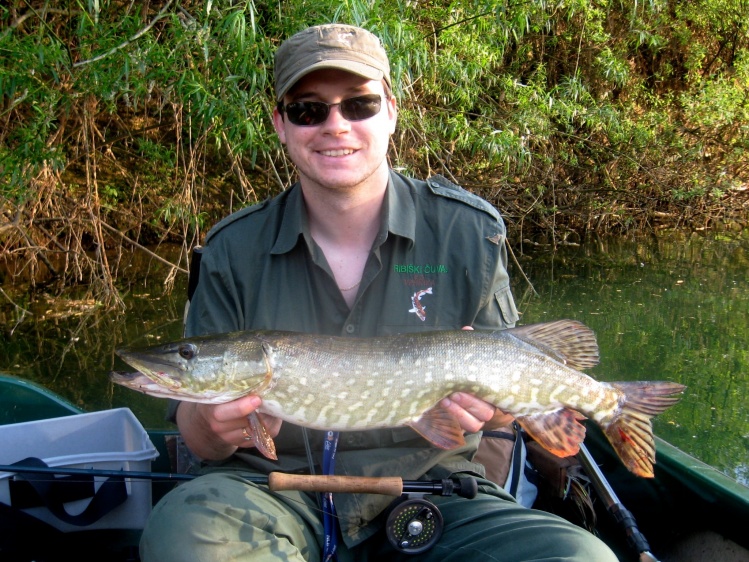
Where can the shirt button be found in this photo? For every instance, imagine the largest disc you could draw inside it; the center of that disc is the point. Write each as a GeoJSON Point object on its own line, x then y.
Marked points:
{"type": "Point", "coordinates": [350, 328]}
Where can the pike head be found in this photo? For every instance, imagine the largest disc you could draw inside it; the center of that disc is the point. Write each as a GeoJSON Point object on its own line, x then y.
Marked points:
{"type": "Point", "coordinates": [208, 369]}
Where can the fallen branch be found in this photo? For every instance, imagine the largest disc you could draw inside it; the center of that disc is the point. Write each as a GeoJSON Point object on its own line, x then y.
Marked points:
{"type": "Point", "coordinates": [141, 247]}
{"type": "Point", "coordinates": [124, 44]}
{"type": "Point", "coordinates": [18, 307]}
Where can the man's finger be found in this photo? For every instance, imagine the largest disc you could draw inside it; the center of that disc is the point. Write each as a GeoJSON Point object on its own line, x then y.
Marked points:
{"type": "Point", "coordinates": [479, 409]}
{"type": "Point", "coordinates": [241, 407]}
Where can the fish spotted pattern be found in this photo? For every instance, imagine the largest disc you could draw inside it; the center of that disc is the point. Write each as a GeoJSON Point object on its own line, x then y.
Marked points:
{"type": "Point", "coordinates": [344, 384]}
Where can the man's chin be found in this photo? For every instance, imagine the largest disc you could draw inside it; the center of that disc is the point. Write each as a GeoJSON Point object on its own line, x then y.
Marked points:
{"type": "Point", "coordinates": [340, 179]}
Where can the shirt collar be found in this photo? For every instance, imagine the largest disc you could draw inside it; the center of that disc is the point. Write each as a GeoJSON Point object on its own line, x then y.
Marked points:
{"type": "Point", "coordinates": [293, 222]}
{"type": "Point", "coordinates": [401, 210]}
{"type": "Point", "coordinates": [400, 217]}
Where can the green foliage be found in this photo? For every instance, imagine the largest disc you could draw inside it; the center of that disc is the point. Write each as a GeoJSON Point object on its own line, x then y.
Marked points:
{"type": "Point", "coordinates": [597, 114]}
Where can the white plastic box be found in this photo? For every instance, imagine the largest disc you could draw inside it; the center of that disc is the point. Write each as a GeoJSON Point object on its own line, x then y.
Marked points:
{"type": "Point", "coordinates": [106, 440]}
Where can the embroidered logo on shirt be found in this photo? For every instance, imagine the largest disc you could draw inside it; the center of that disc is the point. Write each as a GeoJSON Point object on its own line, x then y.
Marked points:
{"type": "Point", "coordinates": [426, 268]}
{"type": "Point", "coordinates": [419, 309]}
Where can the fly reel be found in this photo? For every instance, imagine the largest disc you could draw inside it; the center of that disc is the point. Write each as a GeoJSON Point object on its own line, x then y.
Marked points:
{"type": "Point", "coordinates": [414, 526]}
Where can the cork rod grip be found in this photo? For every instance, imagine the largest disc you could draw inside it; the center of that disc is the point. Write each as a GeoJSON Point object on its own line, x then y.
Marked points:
{"type": "Point", "coordinates": [388, 486]}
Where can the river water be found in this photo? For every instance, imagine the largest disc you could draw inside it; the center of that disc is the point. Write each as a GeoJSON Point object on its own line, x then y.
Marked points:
{"type": "Point", "coordinates": [673, 308]}
{"type": "Point", "coordinates": [667, 308]}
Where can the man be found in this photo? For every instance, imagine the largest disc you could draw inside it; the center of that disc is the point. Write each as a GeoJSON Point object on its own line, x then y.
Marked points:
{"type": "Point", "coordinates": [352, 249]}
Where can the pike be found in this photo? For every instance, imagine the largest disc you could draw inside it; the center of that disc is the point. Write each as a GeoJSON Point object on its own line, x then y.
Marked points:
{"type": "Point", "coordinates": [346, 384]}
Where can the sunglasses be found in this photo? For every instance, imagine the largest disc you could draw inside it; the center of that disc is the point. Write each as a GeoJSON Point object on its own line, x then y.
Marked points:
{"type": "Point", "coordinates": [311, 113]}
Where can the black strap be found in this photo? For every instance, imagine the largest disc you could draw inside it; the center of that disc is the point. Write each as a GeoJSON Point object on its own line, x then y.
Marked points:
{"type": "Point", "coordinates": [64, 489]}
{"type": "Point", "coordinates": [192, 281]}
{"type": "Point", "coordinates": [499, 435]}
{"type": "Point", "coordinates": [34, 489]}
{"type": "Point", "coordinates": [517, 454]}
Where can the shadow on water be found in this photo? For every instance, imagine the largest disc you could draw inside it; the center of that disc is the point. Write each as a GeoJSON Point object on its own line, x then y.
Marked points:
{"type": "Point", "coordinates": [671, 308]}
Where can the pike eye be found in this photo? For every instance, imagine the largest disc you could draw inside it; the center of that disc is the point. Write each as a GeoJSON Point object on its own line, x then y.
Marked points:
{"type": "Point", "coordinates": [187, 351]}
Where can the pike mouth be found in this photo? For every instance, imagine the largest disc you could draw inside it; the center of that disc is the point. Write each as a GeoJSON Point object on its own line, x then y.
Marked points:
{"type": "Point", "coordinates": [141, 382]}
{"type": "Point", "coordinates": [153, 367]}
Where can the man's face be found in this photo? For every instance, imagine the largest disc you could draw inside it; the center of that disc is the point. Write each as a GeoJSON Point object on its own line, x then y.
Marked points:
{"type": "Point", "coordinates": [338, 154]}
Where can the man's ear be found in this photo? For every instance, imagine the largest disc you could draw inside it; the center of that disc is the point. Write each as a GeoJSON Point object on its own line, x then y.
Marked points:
{"type": "Point", "coordinates": [279, 124]}
{"type": "Point", "coordinates": [392, 106]}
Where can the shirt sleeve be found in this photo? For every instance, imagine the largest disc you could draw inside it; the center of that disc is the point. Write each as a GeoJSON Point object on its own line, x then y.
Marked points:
{"type": "Point", "coordinates": [215, 306]}
{"type": "Point", "coordinates": [499, 310]}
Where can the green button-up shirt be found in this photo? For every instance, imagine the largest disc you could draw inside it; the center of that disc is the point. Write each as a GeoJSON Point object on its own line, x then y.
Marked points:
{"type": "Point", "coordinates": [439, 262]}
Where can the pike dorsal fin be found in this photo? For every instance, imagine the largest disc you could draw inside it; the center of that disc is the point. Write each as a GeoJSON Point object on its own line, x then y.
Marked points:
{"type": "Point", "coordinates": [440, 428]}
{"type": "Point", "coordinates": [558, 432]}
{"type": "Point", "coordinates": [568, 341]}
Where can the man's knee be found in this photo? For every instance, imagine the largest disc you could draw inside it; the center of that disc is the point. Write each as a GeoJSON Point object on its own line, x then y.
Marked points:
{"type": "Point", "coordinates": [226, 516]}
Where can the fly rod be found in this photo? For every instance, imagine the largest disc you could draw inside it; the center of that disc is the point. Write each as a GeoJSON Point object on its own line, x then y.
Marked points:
{"type": "Point", "coordinates": [615, 507]}
{"type": "Point", "coordinates": [279, 481]}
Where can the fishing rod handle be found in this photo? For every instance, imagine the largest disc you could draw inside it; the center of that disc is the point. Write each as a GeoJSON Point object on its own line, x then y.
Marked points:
{"type": "Point", "coordinates": [388, 486]}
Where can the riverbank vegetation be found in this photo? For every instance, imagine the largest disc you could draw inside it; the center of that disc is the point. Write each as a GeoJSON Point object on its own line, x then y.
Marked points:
{"type": "Point", "coordinates": [126, 123]}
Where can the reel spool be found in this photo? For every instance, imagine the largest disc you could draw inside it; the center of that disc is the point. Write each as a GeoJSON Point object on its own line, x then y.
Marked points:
{"type": "Point", "coordinates": [414, 526]}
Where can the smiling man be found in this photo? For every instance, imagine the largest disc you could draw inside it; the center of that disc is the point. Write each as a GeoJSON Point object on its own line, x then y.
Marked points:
{"type": "Point", "coordinates": [342, 162]}
{"type": "Point", "coordinates": [351, 249]}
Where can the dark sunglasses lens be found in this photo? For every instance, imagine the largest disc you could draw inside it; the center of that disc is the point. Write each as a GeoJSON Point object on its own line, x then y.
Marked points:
{"type": "Point", "coordinates": [362, 107]}
{"type": "Point", "coordinates": [307, 113]}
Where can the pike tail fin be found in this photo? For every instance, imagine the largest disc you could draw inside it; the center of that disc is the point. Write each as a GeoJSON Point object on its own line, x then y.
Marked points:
{"type": "Point", "coordinates": [631, 432]}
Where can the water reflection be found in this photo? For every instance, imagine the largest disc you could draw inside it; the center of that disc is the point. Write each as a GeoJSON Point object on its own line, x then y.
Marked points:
{"type": "Point", "coordinates": [668, 308]}
{"type": "Point", "coordinates": [663, 308]}
{"type": "Point", "coordinates": [67, 344]}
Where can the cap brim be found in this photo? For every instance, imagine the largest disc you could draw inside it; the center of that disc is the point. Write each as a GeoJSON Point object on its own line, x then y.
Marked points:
{"type": "Point", "coordinates": [360, 69]}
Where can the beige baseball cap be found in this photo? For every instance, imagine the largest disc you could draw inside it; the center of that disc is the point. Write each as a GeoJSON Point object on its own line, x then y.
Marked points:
{"type": "Point", "coordinates": [333, 45]}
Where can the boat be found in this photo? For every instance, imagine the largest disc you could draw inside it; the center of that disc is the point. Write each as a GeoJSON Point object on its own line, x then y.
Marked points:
{"type": "Point", "coordinates": [688, 512]}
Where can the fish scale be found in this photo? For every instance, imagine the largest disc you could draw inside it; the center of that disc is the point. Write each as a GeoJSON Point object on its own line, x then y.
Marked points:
{"type": "Point", "coordinates": [334, 383]}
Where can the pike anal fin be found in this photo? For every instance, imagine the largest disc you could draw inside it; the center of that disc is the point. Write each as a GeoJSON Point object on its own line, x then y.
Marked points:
{"type": "Point", "coordinates": [558, 432]}
{"type": "Point", "coordinates": [260, 436]}
{"type": "Point", "coordinates": [440, 428]}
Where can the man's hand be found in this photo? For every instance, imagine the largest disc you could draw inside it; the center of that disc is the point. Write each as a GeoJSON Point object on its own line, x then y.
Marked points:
{"type": "Point", "coordinates": [215, 431]}
{"type": "Point", "coordinates": [473, 414]}
{"type": "Point", "coordinates": [229, 421]}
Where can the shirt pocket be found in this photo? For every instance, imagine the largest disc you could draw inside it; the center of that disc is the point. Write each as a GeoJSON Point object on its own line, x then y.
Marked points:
{"type": "Point", "coordinates": [507, 306]}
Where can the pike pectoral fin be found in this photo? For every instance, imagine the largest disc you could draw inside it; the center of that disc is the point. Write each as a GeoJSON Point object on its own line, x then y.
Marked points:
{"type": "Point", "coordinates": [260, 436]}
{"type": "Point", "coordinates": [559, 432]}
{"type": "Point", "coordinates": [440, 428]}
